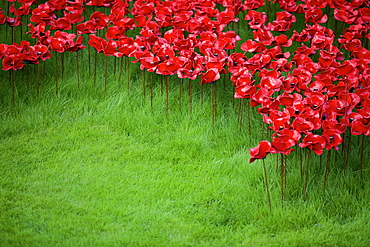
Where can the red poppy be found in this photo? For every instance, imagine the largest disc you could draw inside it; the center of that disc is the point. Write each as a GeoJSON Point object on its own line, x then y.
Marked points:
{"type": "Point", "coordinates": [42, 52]}
{"type": "Point", "coordinates": [256, 19]}
{"type": "Point", "coordinates": [315, 16]}
{"type": "Point", "coordinates": [283, 144]}
{"type": "Point", "coordinates": [61, 24]}
{"type": "Point", "coordinates": [284, 21]}
{"type": "Point", "coordinates": [86, 28]}
{"type": "Point", "coordinates": [315, 100]}
{"type": "Point", "coordinates": [126, 46]}
{"type": "Point", "coordinates": [23, 10]}
{"type": "Point", "coordinates": [332, 138]}
{"type": "Point", "coordinates": [261, 151]}
{"type": "Point", "coordinates": [252, 46]}
{"type": "Point", "coordinates": [13, 22]}
{"type": "Point", "coordinates": [279, 119]}
{"type": "Point", "coordinates": [12, 63]}
{"type": "Point", "coordinates": [346, 14]}
{"type": "Point", "coordinates": [257, 62]}
{"type": "Point", "coordinates": [264, 36]}
{"type": "Point", "coordinates": [100, 3]}
{"type": "Point", "coordinates": [74, 14]}
{"type": "Point", "coordinates": [210, 76]}
{"type": "Point", "coordinates": [348, 67]}
{"type": "Point", "coordinates": [313, 142]}
{"type": "Point", "coordinates": [285, 140]}
{"type": "Point", "coordinates": [252, 4]}
{"type": "Point", "coordinates": [43, 14]}
{"type": "Point", "coordinates": [260, 96]}
{"type": "Point", "coordinates": [99, 19]}
{"type": "Point", "coordinates": [333, 124]}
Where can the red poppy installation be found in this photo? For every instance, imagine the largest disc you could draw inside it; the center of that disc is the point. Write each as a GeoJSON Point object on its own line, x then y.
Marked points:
{"type": "Point", "coordinates": [310, 81]}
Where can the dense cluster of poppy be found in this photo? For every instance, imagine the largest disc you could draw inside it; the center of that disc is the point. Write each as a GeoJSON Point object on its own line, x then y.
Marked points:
{"type": "Point", "coordinates": [308, 96]}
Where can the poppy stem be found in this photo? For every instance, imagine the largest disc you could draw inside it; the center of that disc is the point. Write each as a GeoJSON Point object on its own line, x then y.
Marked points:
{"type": "Point", "coordinates": [327, 170]}
{"type": "Point", "coordinates": [362, 155]}
{"type": "Point", "coordinates": [105, 73]}
{"type": "Point", "coordinates": [56, 74]}
{"type": "Point", "coordinates": [13, 35]}
{"type": "Point", "coordinates": [267, 3]}
{"type": "Point", "coordinates": [266, 184]}
{"type": "Point", "coordinates": [214, 102]}
{"type": "Point", "coordinates": [95, 58]}
{"type": "Point", "coordinates": [77, 74]}
{"type": "Point", "coordinates": [62, 55]}
{"type": "Point", "coordinates": [114, 65]}
{"type": "Point", "coordinates": [180, 92]}
{"type": "Point", "coordinates": [283, 177]}
{"type": "Point", "coordinates": [167, 95]}
{"type": "Point", "coordinates": [143, 82]}
{"type": "Point", "coordinates": [201, 95]}
{"type": "Point", "coordinates": [240, 114]}
{"type": "Point", "coordinates": [38, 81]}
{"type": "Point", "coordinates": [13, 87]}
{"type": "Point", "coordinates": [191, 99]}
{"type": "Point", "coordinates": [277, 163]}
{"type": "Point", "coordinates": [306, 176]}
{"type": "Point", "coordinates": [128, 73]}
{"type": "Point", "coordinates": [301, 162]}
{"type": "Point", "coordinates": [151, 90]}
{"type": "Point", "coordinates": [120, 71]}
{"type": "Point", "coordinates": [249, 120]}
{"type": "Point", "coordinates": [346, 152]}
{"type": "Point", "coordinates": [88, 57]}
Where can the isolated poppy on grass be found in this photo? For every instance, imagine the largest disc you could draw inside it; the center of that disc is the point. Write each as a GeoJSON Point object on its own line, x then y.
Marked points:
{"type": "Point", "coordinates": [261, 151]}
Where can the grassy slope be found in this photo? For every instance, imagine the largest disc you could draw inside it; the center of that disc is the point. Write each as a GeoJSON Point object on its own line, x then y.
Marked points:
{"type": "Point", "coordinates": [86, 168]}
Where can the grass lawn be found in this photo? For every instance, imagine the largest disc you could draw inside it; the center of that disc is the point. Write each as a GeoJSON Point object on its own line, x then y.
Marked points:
{"type": "Point", "coordinates": [88, 168]}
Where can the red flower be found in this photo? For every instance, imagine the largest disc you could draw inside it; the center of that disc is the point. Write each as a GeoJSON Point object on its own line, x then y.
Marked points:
{"type": "Point", "coordinates": [279, 119]}
{"type": "Point", "coordinates": [264, 36]}
{"type": "Point", "coordinates": [23, 10]}
{"type": "Point", "coordinates": [42, 52]}
{"type": "Point", "coordinates": [74, 14]}
{"type": "Point", "coordinates": [14, 22]}
{"type": "Point", "coordinates": [257, 19]}
{"type": "Point", "coordinates": [261, 151]}
{"type": "Point", "coordinates": [252, 4]}
{"type": "Point", "coordinates": [348, 14]}
{"type": "Point", "coordinates": [302, 125]}
{"type": "Point", "coordinates": [347, 68]}
{"type": "Point", "coordinates": [61, 24]}
{"type": "Point", "coordinates": [12, 63]}
{"type": "Point", "coordinates": [315, 16]}
{"type": "Point", "coordinates": [43, 14]}
{"type": "Point", "coordinates": [284, 21]}
{"type": "Point", "coordinates": [252, 46]}
{"type": "Point", "coordinates": [99, 19]}
{"type": "Point", "coordinates": [332, 138]}
{"type": "Point", "coordinates": [210, 76]}
{"type": "Point", "coordinates": [86, 28]}
{"type": "Point", "coordinates": [313, 142]}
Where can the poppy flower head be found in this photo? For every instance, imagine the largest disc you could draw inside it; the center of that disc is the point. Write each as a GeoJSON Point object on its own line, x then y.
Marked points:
{"type": "Point", "coordinates": [316, 143]}
{"type": "Point", "coordinates": [261, 151]}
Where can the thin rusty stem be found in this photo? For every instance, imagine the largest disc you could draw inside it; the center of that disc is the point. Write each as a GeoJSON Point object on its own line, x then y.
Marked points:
{"type": "Point", "coordinates": [266, 184]}
{"type": "Point", "coordinates": [327, 169]}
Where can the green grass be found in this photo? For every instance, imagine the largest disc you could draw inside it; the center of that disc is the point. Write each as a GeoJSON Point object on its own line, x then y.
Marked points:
{"type": "Point", "coordinates": [88, 168]}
